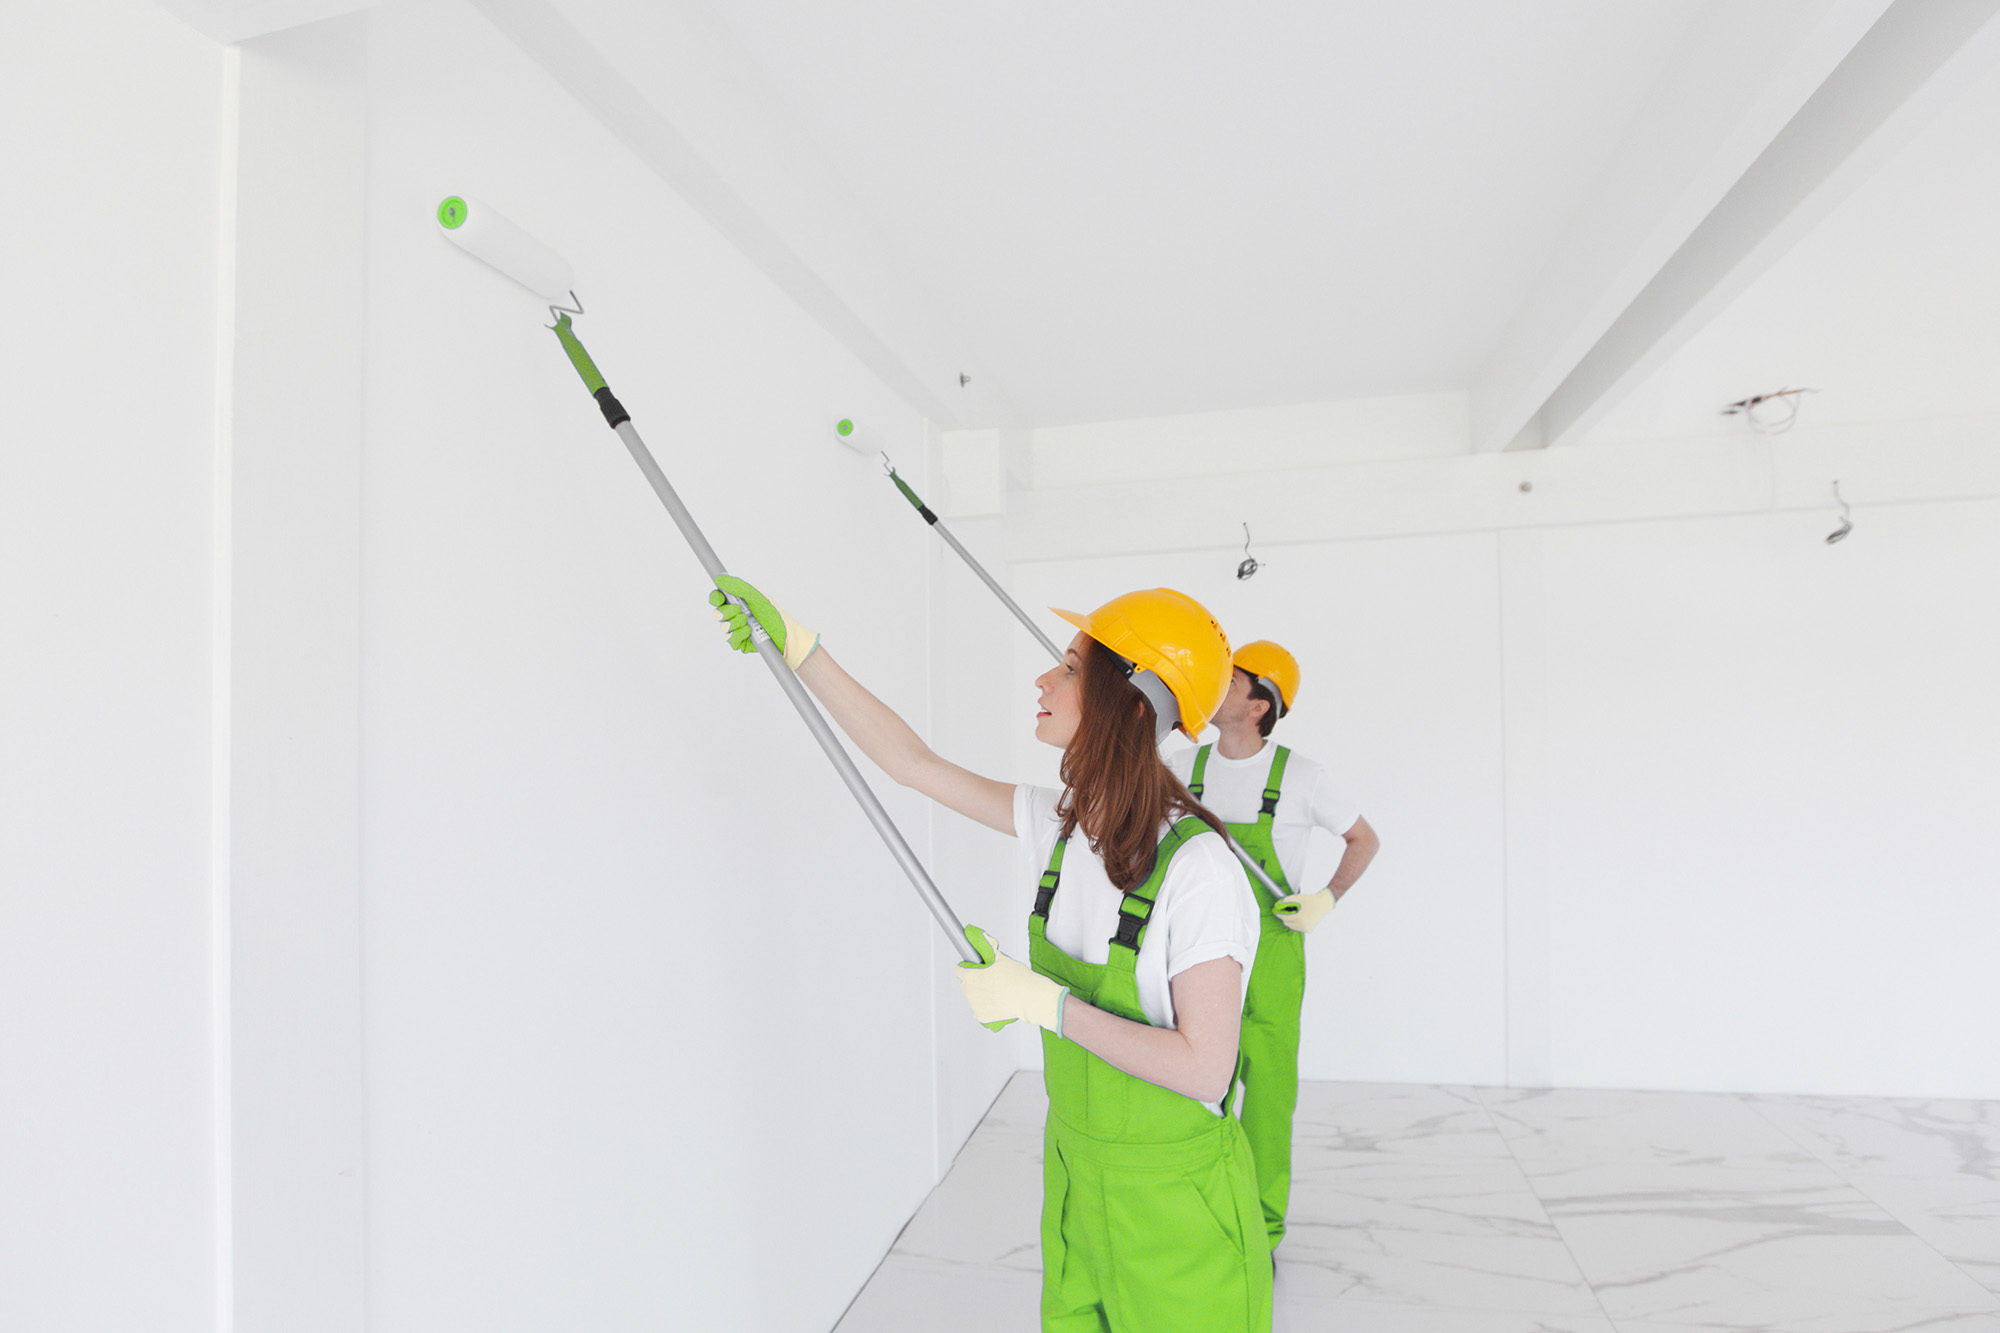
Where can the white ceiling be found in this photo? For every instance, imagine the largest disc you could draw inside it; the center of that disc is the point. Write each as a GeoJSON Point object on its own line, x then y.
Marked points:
{"type": "Point", "coordinates": [1057, 212]}
{"type": "Point", "coordinates": [1103, 211]}
{"type": "Point", "coordinates": [1133, 209]}
{"type": "Point", "coordinates": [1890, 308]}
{"type": "Point", "coordinates": [1139, 209]}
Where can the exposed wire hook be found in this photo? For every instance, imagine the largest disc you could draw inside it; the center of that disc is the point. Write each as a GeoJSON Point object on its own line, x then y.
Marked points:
{"type": "Point", "coordinates": [1846, 523]}
{"type": "Point", "coordinates": [1250, 564]}
{"type": "Point", "coordinates": [1771, 425]}
{"type": "Point", "coordinates": [557, 310]}
{"type": "Point", "coordinates": [888, 468]}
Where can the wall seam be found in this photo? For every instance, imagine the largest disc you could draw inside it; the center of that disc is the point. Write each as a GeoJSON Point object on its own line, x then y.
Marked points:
{"type": "Point", "coordinates": [931, 814]}
{"type": "Point", "coordinates": [221, 733]}
{"type": "Point", "coordinates": [1506, 831]}
{"type": "Point", "coordinates": [1541, 525]}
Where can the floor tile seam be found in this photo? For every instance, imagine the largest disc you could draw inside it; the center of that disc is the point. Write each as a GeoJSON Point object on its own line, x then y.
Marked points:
{"type": "Point", "coordinates": [1451, 1307]}
{"type": "Point", "coordinates": [1856, 1185]}
{"type": "Point", "coordinates": [1541, 1204]}
{"type": "Point", "coordinates": [945, 1263]}
{"type": "Point", "coordinates": [1753, 1102]}
{"type": "Point", "coordinates": [1928, 1314]}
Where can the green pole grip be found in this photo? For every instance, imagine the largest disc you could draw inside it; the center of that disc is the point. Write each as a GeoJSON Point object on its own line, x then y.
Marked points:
{"type": "Point", "coordinates": [911, 496]}
{"type": "Point", "coordinates": [904, 487]}
{"type": "Point", "coordinates": [578, 357]}
{"type": "Point", "coordinates": [614, 411]}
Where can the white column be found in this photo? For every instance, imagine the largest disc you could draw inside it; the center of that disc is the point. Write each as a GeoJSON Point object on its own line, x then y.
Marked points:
{"type": "Point", "coordinates": [1522, 668]}
{"type": "Point", "coordinates": [292, 584]}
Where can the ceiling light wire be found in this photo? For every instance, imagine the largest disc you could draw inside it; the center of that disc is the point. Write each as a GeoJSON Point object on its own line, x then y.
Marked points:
{"type": "Point", "coordinates": [1773, 421]}
{"type": "Point", "coordinates": [1846, 523]}
{"type": "Point", "coordinates": [1249, 564]}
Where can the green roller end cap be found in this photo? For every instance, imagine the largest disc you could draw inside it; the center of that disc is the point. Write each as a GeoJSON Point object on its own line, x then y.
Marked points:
{"type": "Point", "coordinates": [451, 213]}
{"type": "Point", "coordinates": [845, 427]}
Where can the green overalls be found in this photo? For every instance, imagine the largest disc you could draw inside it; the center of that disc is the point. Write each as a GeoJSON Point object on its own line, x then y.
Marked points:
{"type": "Point", "coordinates": [1149, 1211]}
{"type": "Point", "coordinates": [1269, 1065]}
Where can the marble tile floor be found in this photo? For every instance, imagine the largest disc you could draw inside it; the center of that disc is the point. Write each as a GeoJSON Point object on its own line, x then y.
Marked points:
{"type": "Point", "coordinates": [1422, 1209]}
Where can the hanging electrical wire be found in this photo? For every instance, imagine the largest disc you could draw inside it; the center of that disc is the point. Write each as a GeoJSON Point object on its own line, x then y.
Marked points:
{"type": "Point", "coordinates": [1771, 420]}
{"type": "Point", "coordinates": [1249, 564]}
{"type": "Point", "coordinates": [1846, 523]}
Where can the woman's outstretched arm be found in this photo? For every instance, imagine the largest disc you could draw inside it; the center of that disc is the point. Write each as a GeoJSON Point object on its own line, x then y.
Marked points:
{"type": "Point", "coordinates": [868, 722]}
{"type": "Point", "coordinates": [899, 751]}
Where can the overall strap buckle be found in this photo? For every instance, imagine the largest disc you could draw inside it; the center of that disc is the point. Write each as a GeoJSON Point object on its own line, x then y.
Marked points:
{"type": "Point", "coordinates": [1131, 923]}
{"type": "Point", "coordinates": [1138, 907]}
{"type": "Point", "coordinates": [1196, 773]}
{"type": "Point", "coordinates": [1045, 890]}
{"type": "Point", "coordinates": [1273, 782]}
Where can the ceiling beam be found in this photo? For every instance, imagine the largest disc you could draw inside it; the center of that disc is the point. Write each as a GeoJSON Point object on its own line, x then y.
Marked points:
{"type": "Point", "coordinates": [232, 21]}
{"type": "Point", "coordinates": [703, 122]}
{"type": "Point", "coordinates": [1897, 77]}
{"type": "Point", "coordinates": [1739, 75]}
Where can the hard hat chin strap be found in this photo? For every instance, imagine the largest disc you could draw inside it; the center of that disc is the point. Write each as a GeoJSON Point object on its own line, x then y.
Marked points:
{"type": "Point", "coordinates": [1277, 695]}
{"type": "Point", "coordinates": [1166, 708]}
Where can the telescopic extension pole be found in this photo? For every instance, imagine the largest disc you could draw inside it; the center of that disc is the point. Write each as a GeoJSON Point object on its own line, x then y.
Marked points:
{"type": "Point", "coordinates": [620, 421]}
{"type": "Point", "coordinates": [941, 530]}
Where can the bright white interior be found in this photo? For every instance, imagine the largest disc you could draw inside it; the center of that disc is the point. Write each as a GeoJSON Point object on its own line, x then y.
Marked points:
{"type": "Point", "coordinates": [411, 919]}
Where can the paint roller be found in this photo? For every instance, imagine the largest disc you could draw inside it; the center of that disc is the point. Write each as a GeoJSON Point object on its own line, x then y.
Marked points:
{"type": "Point", "coordinates": [856, 436]}
{"type": "Point", "coordinates": [937, 526]}
{"type": "Point", "coordinates": [489, 237]}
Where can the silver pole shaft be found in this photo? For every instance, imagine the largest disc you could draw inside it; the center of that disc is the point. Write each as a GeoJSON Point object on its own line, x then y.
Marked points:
{"type": "Point", "coordinates": [1251, 865]}
{"type": "Point", "coordinates": [998, 591]}
{"type": "Point", "coordinates": [808, 711]}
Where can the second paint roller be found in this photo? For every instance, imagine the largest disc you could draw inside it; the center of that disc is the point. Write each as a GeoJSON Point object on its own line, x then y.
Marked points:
{"type": "Point", "coordinates": [488, 236]}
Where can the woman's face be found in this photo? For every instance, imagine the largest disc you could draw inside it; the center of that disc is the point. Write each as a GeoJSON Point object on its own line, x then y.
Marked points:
{"type": "Point", "coordinates": [1061, 696]}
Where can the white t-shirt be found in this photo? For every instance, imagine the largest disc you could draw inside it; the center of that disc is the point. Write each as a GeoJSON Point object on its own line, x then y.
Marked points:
{"type": "Point", "coordinates": [1234, 790]}
{"type": "Point", "coordinates": [1205, 909]}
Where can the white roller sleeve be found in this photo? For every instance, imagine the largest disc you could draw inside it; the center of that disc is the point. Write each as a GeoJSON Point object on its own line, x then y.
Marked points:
{"type": "Point", "coordinates": [857, 437]}
{"type": "Point", "coordinates": [489, 236]}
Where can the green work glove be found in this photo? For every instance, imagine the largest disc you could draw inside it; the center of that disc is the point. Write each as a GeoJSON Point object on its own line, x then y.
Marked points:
{"type": "Point", "coordinates": [1303, 911]}
{"type": "Point", "coordinates": [794, 640]}
{"type": "Point", "coordinates": [1000, 989]}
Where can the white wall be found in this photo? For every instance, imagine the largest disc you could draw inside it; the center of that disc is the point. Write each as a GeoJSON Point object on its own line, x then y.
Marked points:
{"type": "Point", "coordinates": [649, 1008]}
{"type": "Point", "coordinates": [411, 915]}
{"type": "Point", "coordinates": [1671, 793]}
{"type": "Point", "coordinates": [1770, 802]}
{"type": "Point", "coordinates": [110, 163]}
{"type": "Point", "coordinates": [1207, 444]}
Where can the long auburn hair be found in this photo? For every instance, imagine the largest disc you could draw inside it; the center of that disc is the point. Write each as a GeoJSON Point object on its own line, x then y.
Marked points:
{"type": "Point", "coordinates": [1116, 788]}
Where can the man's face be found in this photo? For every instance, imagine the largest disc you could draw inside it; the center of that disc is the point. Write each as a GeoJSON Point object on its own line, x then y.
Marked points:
{"type": "Point", "coordinates": [1238, 707]}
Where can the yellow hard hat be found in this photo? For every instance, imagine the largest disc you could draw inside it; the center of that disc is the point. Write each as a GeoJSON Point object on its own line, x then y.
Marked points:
{"type": "Point", "coordinates": [1179, 654]}
{"type": "Point", "coordinates": [1275, 669]}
